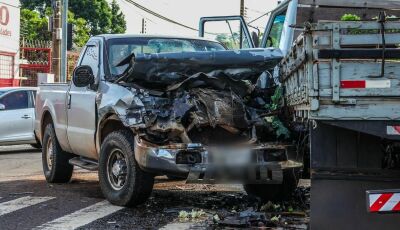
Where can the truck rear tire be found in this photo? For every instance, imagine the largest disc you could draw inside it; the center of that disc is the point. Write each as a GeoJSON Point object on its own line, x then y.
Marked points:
{"type": "Point", "coordinates": [56, 168]}
{"type": "Point", "coordinates": [122, 181]}
{"type": "Point", "coordinates": [275, 192]}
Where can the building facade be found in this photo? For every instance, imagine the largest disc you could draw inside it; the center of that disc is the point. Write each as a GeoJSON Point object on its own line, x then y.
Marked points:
{"type": "Point", "coordinates": [9, 42]}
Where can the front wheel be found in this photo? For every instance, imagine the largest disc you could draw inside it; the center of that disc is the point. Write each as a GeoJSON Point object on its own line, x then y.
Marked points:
{"type": "Point", "coordinates": [276, 192]}
{"type": "Point", "coordinates": [55, 161]}
{"type": "Point", "coordinates": [121, 179]}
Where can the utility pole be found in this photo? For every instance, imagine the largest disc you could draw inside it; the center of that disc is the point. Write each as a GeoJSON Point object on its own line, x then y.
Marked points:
{"type": "Point", "coordinates": [64, 55]}
{"type": "Point", "coordinates": [56, 37]}
{"type": "Point", "coordinates": [242, 8]}
{"type": "Point", "coordinates": [241, 14]}
{"type": "Point", "coordinates": [143, 26]}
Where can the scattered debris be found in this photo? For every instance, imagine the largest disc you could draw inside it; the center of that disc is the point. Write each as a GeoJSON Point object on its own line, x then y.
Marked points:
{"type": "Point", "coordinates": [183, 215]}
{"type": "Point", "coordinates": [216, 218]}
{"type": "Point", "coordinates": [231, 208]}
{"type": "Point", "coordinates": [197, 214]}
{"type": "Point", "coordinates": [193, 215]}
{"type": "Point", "coordinates": [276, 218]}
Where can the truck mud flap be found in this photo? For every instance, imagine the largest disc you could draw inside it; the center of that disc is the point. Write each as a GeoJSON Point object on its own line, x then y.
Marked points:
{"type": "Point", "coordinates": [347, 175]}
{"type": "Point", "coordinates": [344, 202]}
{"type": "Point", "coordinates": [254, 174]}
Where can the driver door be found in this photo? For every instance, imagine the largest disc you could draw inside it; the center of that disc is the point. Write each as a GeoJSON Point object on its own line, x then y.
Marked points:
{"type": "Point", "coordinates": [231, 31]}
{"type": "Point", "coordinates": [82, 107]}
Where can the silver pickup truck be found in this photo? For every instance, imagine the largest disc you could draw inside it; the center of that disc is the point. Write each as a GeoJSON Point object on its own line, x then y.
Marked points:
{"type": "Point", "coordinates": [141, 106]}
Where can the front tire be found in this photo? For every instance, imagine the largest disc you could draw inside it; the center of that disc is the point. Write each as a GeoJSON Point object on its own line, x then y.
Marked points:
{"type": "Point", "coordinates": [276, 192]}
{"type": "Point", "coordinates": [56, 168]}
{"type": "Point", "coordinates": [122, 181]}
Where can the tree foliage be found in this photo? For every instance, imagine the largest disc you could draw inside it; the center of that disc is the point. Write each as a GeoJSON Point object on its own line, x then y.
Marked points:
{"type": "Point", "coordinates": [96, 12]}
{"type": "Point", "coordinates": [38, 5]}
{"type": "Point", "coordinates": [90, 17]}
{"type": "Point", "coordinates": [34, 26]}
{"type": "Point", "coordinates": [101, 17]}
{"type": "Point", "coordinates": [80, 30]}
{"type": "Point", "coordinates": [118, 22]}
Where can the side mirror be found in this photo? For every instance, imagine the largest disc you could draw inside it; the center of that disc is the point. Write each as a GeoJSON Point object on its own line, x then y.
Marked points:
{"type": "Point", "coordinates": [83, 76]}
{"type": "Point", "coordinates": [2, 107]}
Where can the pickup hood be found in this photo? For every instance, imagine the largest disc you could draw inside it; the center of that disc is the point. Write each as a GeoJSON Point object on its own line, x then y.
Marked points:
{"type": "Point", "coordinates": [206, 97]}
{"type": "Point", "coordinates": [165, 69]}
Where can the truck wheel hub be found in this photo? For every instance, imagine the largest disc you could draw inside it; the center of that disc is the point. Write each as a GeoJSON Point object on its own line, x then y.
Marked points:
{"type": "Point", "coordinates": [49, 154]}
{"type": "Point", "coordinates": [117, 169]}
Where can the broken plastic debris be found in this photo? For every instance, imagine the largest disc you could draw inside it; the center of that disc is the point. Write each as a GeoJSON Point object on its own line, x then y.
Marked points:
{"type": "Point", "coordinates": [216, 218]}
{"type": "Point", "coordinates": [276, 218]}
{"type": "Point", "coordinates": [183, 215]}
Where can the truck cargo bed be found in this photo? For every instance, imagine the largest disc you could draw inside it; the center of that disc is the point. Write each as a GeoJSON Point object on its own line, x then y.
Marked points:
{"type": "Point", "coordinates": [344, 71]}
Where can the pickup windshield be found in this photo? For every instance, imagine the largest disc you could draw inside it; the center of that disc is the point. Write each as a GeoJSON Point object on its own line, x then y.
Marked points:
{"type": "Point", "coordinates": [119, 48]}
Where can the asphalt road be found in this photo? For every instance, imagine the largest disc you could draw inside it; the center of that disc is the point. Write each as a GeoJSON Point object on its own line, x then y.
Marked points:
{"type": "Point", "coordinates": [28, 202]}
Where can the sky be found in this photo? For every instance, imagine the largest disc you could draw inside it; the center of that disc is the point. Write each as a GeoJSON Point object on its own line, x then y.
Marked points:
{"type": "Point", "coordinates": [188, 12]}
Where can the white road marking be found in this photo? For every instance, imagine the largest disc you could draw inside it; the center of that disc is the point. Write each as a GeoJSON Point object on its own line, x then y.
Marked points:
{"type": "Point", "coordinates": [20, 203]}
{"type": "Point", "coordinates": [81, 217]}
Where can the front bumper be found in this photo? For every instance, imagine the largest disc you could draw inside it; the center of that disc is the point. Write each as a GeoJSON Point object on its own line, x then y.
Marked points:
{"type": "Point", "coordinates": [257, 164]}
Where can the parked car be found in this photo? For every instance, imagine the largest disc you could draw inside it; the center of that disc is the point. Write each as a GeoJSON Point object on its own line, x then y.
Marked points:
{"type": "Point", "coordinates": [17, 116]}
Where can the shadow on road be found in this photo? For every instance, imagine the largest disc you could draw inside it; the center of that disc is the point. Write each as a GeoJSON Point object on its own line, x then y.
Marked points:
{"type": "Point", "coordinates": [16, 149]}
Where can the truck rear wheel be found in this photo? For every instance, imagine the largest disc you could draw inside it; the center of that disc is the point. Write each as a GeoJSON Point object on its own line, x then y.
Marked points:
{"type": "Point", "coordinates": [55, 161]}
{"type": "Point", "coordinates": [276, 192]}
{"type": "Point", "coordinates": [121, 179]}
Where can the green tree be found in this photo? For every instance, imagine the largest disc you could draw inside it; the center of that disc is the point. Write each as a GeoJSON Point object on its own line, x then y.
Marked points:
{"type": "Point", "coordinates": [38, 5]}
{"type": "Point", "coordinates": [34, 26]}
{"type": "Point", "coordinates": [118, 23]}
{"type": "Point", "coordinates": [81, 30]}
{"type": "Point", "coordinates": [100, 16]}
{"type": "Point", "coordinates": [96, 12]}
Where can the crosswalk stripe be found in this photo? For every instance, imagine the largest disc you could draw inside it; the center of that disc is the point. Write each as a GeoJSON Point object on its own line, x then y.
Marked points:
{"type": "Point", "coordinates": [81, 217]}
{"type": "Point", "coordinates": [20, 203]}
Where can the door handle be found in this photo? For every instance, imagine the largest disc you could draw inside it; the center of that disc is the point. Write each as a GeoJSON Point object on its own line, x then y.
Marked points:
{"type": "Point", "coordinates": [26, 116]}
{"type": "Point", "coordinates": [69, 101]}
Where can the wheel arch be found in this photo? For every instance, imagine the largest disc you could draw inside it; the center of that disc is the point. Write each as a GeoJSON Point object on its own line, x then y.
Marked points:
{"type": "Point", "coordinates": [45, 120]}
{"type": "Point", "coordinates": [108, 124]}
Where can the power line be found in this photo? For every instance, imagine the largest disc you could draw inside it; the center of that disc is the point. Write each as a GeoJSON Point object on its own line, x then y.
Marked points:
{"type": "Point", "coordinates": [259, 17]}
{"type": "Point", "coordinates": [139, 12]}
{"type": "Point", "coordinates": [160, 16]}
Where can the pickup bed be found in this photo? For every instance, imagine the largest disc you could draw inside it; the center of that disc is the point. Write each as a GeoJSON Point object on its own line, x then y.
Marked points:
{"type": "Point", "coordinates": [135, 110]}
